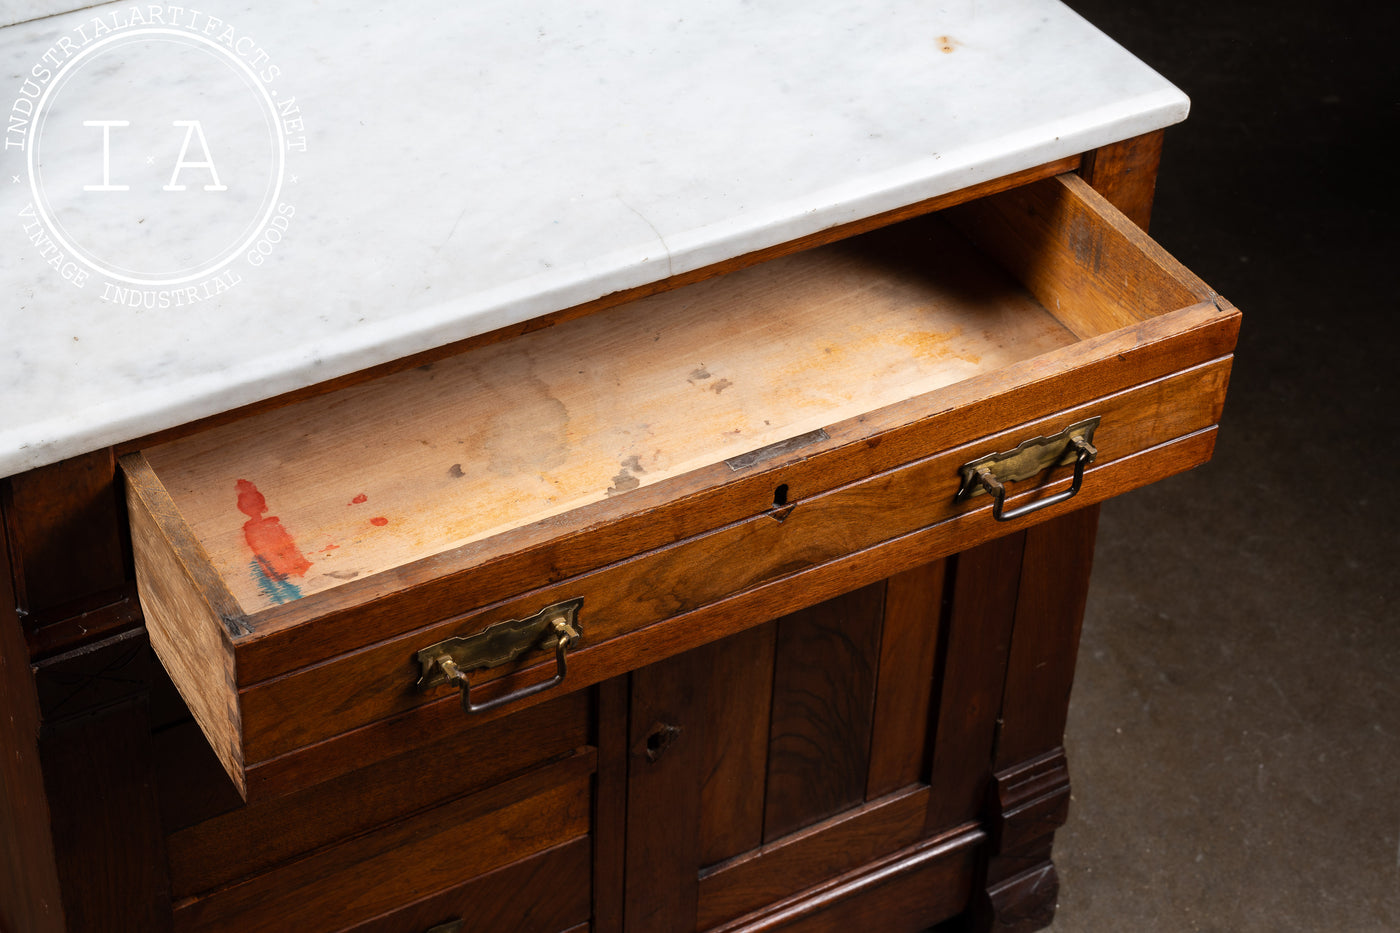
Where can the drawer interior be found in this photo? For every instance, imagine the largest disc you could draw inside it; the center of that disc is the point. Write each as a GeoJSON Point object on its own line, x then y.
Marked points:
{"type": "Point", "coordinates": [292, 564]}
{"type": "Point", "coordinates": [345, 486]}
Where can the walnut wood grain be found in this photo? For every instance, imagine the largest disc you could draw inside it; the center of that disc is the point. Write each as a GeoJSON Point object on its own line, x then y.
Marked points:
{"type": "Point", "coordinates": [981, 612]}
{"type": "Point", "coordinates": [883, 471]}
{"type": "Point", "coordinates": [103, 615]}
{"type": "Point", "coordinates": [1079, 256]}
{"type": "Point", "coordinates": [1126, 174]}
{"type": "Point", "coordinates": [610, 806]}
{"type": "Point", "coordinates": [252, 838]}
{"type": "Point", "coordinates": [807, 858]}
{"type": "Point", "coordinates": [771, 598]}
{"type": "Point", "coordinates": [901, 736]}
{"type": "Point", "coordinates": [670, 694]}
{"type": "Point", "coordinates": [1032, 783]}
{"type": "Point", "coordinates": [191, 782]}
{"type": "Point", "coordinates": [187, 614]}
{"type": "Point", "coordinates": [28, 869]}
{"type": "Point", "coordinates": [696, 626]}
{"type": "Point", "coordinates": [546, 892]}
{"type": "Point", "coordinates": [300, 629]}
{"type": "Point", "coordinates": [64, 522]}
{"type": "Point", "coordinates": [83, 682]}
{"type": "Point", "coordinates": [95, 748]}
{"type": "Point", "coordinates": [1025, 902]}
{"type": "Point", "coordinates": [434, 851]}
{"type": "Point", "coordinates": [666, 745]}
{"type": "Point", "coordinates": [523, 432]}
{"type": "Point", "coordinates": [1029, 802]}
{"type": "Point", "coordinates": [105, 822]}
{"type": "Point", "coordinates": [907, 892]}
{"type": "Point", "coordinates": [689, 574]}
{"type": "Point", "coordinates": [736, 743]}
{"type": "Point", "coordinates": [320, 625]}
{"type": "Point", "coordinates": [1049, 613]}
{"type": "Point", "coordinates": [824, 676]}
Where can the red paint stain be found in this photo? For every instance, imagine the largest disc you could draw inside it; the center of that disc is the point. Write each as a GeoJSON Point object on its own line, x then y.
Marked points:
{"type": "Point", "coordinates": [329, 547]}
{"type": "Point", "coordinates": [379, 521]}
{"type": "Point", "coordinates": [270, 542]}
{"type": "Point", "coordinates": [359, 499]}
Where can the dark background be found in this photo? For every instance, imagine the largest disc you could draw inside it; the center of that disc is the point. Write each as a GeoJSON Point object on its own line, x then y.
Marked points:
{"type": "Point", "coordinates": [1234, 734]}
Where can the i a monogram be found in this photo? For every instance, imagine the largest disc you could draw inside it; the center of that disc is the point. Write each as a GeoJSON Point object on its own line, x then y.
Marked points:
{"type": "Point", "coordinates": [193, 129]}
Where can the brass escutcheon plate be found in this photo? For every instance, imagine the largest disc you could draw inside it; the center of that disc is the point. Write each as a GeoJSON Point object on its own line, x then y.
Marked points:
{"type": "Point", "coordinates": [498, 644]}
{"type": "Point", "coordinates": [1027, 460]}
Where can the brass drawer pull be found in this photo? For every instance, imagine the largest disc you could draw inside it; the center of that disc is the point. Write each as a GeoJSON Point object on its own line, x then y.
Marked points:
{"type": "Point", "coordinates": [449, 662]}
{"type": "Point", "coordinates": [990, 474]}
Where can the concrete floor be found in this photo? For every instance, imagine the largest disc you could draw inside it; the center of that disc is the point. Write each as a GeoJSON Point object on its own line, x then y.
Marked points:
{"type": "Point", "coordinates": [1234, 735]}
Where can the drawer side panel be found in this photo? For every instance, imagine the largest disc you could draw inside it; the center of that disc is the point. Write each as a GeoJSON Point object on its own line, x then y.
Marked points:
{"type": "Point", "coordinates": [1082, 259]}
{"type": "Point", "coordinates": [186, 626]}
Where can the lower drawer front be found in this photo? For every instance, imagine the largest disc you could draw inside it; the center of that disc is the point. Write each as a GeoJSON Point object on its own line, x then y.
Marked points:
{"type": "Point", "coordinates": [547, 892]}
{"type": "Point", "coordinates": [426, 863]}
{"type": "Point", "coordinates": [214, 839]}
{"type": "Point", "coordinates": [623, 600]}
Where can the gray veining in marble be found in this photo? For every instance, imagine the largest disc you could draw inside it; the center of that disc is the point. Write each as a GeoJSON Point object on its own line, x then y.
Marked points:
{"type": "Point", "coordinates": [452, 169]}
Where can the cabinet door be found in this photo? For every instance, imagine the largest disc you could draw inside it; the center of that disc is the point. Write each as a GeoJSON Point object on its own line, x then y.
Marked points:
{"type": "Point", "coordinates": [827, 768]}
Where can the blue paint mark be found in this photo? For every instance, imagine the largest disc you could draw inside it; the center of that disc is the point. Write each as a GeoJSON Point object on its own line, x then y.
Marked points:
{"type": "Point", "coordinates": [273, 584]}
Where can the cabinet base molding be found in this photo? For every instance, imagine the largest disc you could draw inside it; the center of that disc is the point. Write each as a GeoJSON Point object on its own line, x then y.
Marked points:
{"type": "Point", "coordinates": [1024, 902]}
{"type": "Point", "coordinates": [1031, 801]}
{"type": "Point", "coordinates": [910, 890]}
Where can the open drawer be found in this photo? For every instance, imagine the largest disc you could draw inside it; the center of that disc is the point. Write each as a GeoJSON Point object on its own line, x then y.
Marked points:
{"type": "Point", "coordinates": [686, 465]}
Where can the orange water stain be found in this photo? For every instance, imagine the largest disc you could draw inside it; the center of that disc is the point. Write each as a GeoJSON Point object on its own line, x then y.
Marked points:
{"type": "Point", "coordinates": [270, 542]}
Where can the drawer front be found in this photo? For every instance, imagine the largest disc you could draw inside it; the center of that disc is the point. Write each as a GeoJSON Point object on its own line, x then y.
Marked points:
{"type": "Point", "coordinates": [430, 859]}
{"type": "Point", "coordinates": [548, 892]}
{"type": "Point", "coordinates": [299, 688]}
{"type": "Point", "coordinates": [215, 842]}
{"type": "Point", "coordinates": [620, 602]}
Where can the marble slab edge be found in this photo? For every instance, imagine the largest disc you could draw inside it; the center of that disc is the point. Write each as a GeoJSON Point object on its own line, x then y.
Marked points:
{"type": "Point", "coordinates": [118, 420]}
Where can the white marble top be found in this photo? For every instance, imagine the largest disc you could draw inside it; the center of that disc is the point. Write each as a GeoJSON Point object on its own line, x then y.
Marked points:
{"type": "Point", "coordinates": [449, 170]}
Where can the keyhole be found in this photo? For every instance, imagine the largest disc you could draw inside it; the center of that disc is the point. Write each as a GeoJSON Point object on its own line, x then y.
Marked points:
{"type": "Point", "coordinates": [780, 509]}
{"type": "Point", "coordinates": [660, 738]}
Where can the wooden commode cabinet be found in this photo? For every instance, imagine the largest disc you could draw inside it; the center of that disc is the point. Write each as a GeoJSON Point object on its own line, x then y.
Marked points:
{"type": "Point", "coordinates": [745, 601]}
